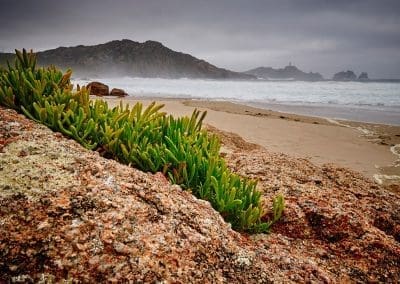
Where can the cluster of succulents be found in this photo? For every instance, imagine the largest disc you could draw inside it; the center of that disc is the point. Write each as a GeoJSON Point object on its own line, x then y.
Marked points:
{"type": "Point", "coordinates": [146, 138]}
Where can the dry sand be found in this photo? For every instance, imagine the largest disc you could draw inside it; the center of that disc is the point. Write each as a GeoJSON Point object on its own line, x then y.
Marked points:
{"type": "Point", "coordinates": [367, 148]}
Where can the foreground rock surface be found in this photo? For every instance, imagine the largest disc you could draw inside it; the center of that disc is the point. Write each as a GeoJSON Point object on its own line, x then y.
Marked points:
{"type": "Point", "coordinates": [67, 213]}
{"type": "Point", "coordinates": [344, 224]}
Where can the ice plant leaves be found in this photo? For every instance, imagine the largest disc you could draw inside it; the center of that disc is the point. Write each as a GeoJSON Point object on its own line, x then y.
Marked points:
{"type": "Point", "coordinates": [142, 137]}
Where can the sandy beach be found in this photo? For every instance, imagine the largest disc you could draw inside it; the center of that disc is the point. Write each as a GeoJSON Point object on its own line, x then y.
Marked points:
{"type": "Point", "coordinates": [366, 148]}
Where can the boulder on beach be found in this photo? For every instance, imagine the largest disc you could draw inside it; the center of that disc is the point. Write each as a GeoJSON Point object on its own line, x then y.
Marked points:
{"type": "Point", "coordinates": [118, 92]}
{"type": "Point", "coordinates": [98, 89]}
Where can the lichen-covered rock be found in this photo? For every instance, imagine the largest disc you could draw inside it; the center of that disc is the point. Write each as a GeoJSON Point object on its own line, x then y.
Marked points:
{"type": "Point", "coordinates": [68, 214]}
{"type": "Point", "coordinates": [345, 223]}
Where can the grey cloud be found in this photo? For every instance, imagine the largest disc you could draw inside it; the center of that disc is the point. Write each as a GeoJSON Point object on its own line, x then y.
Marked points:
{"type": "Point", "coordinates": [318, 35]}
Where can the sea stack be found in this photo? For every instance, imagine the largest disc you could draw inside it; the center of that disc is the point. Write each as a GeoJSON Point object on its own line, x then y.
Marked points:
{"type": "Point", "coordinates": [363, 76]}
{"type": "Point", "coordinates": [345, 76]}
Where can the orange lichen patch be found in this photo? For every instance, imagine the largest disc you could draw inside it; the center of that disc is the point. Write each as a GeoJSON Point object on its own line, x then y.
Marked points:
{"type": "Point", "coordinates": [5, 142]}
{"type": "Point", "coordinates": [107, 236]}
{"type": "Point", "coordinates": [161, 178]}
{"type": "Point", "coordinates": [62, 202]}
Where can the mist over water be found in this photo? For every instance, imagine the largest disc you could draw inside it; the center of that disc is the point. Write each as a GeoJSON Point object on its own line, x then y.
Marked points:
{"type": "Point", "coordinates": [369, 102]}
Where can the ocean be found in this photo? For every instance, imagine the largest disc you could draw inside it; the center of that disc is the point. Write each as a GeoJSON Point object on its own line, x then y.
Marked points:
{"type": "Point", "coordinates": [358, 101]}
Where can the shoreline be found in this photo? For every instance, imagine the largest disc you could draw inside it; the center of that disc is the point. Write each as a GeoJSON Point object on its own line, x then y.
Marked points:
{"type": "Point", "coordinates": [336, 112]}
{"type": "Point", "coordinates": [341, 100]}
{"type": "Point", "coordinates": [368, 148]}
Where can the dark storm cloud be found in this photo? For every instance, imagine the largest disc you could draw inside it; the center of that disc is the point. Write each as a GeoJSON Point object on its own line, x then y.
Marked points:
{"type": "Point", "coordinates": [319, 35]}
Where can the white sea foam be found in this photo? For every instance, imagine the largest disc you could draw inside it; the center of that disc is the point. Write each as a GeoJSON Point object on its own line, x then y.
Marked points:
{"type": "Point", "coordinates": [396, 151]}
{"type": "Point", "coordinates": [379, 178]}
{"type": "Point", "coordinates": [364, 131]}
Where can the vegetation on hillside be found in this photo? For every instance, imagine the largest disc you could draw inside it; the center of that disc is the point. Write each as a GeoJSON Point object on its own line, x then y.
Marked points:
{"type": "Point", "coordinates": [145, 138]}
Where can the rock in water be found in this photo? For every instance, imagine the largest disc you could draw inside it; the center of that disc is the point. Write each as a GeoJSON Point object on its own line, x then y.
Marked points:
{"type": "Point", "coordinates": [118, 92]}
{"type": "Point", "coordinates": [345, 76]}
{"type": "Point", "coordinates": [98, 89]}
{"type": "Point", "coordinates": [363, 76]}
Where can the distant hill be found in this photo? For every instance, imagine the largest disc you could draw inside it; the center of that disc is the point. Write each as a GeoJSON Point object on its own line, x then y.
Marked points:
{"type": "Point", "coordinates": [290, 72]}
{"type": "Point", "coordinates": [130, 58]}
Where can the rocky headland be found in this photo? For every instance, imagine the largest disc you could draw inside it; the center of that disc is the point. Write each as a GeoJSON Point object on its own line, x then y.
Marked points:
{"type": "Point", "coordinates": [68, 214]}
{"type": "Point", "coordinates": [130, 58]}
{"type": "Point", "coordinates": [289, 72]}
{"type": "Point", "coordinates": [151, 59]}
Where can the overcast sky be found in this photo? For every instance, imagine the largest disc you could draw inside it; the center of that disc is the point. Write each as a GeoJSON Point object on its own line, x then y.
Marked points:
{"type": "Point", "coordinates": [316, 35]}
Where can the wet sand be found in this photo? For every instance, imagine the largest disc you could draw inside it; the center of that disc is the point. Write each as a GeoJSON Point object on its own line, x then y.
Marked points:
{"type": "Point", "coordinates": [364, 147]}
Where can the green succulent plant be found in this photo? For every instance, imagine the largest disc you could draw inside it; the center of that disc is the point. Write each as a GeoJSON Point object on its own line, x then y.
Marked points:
{"type": "Point", "coordinates": [142, 137]}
